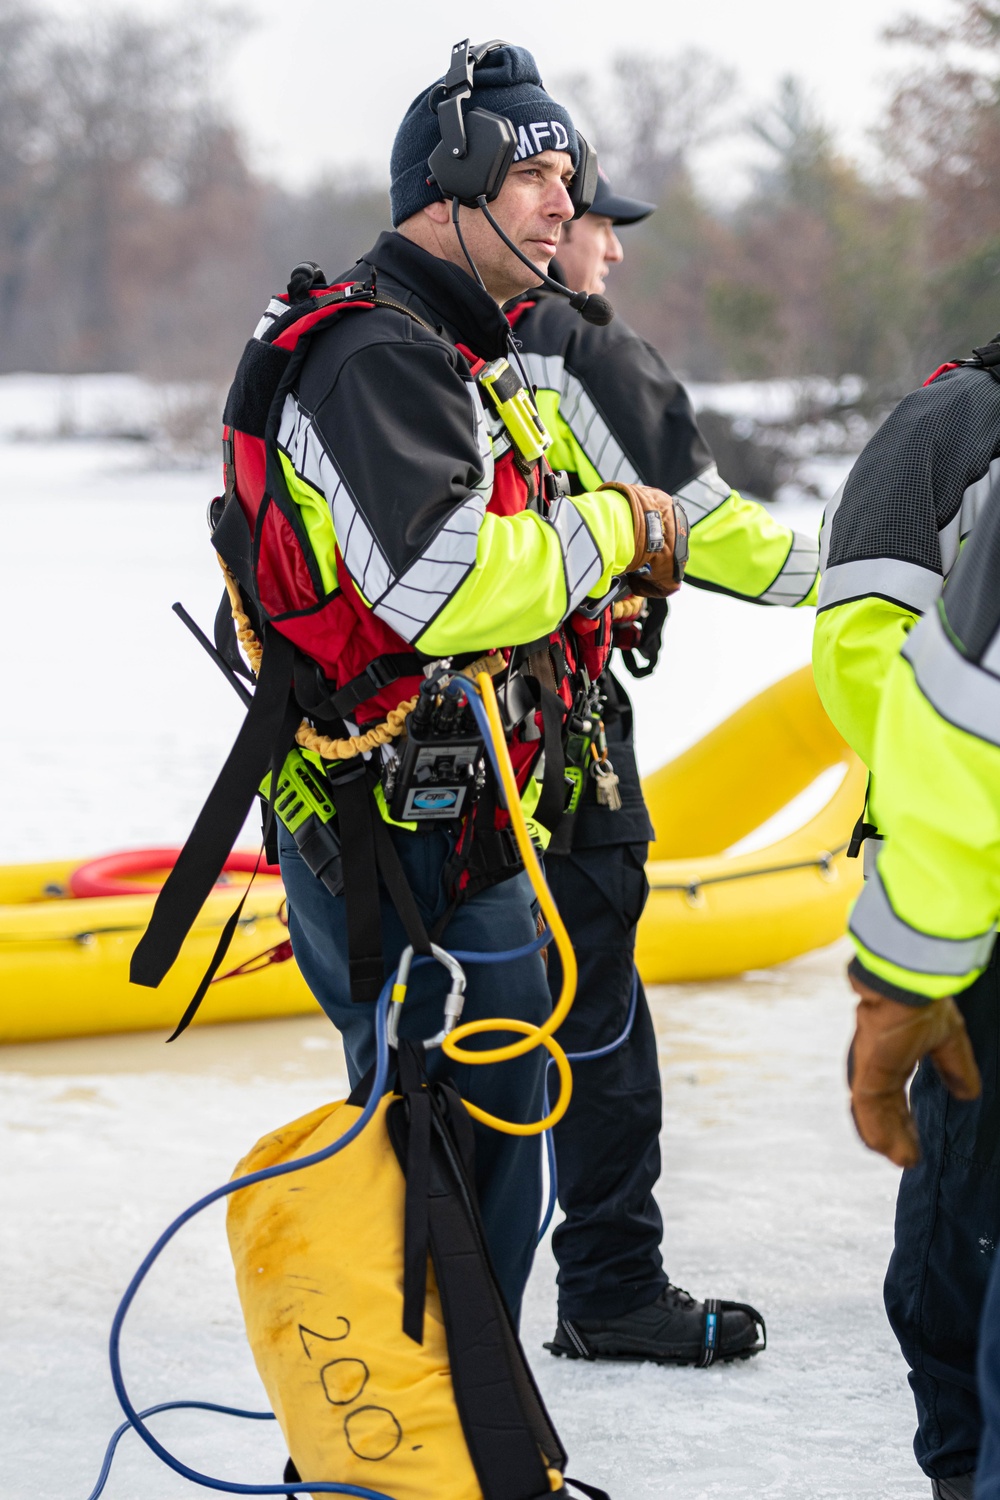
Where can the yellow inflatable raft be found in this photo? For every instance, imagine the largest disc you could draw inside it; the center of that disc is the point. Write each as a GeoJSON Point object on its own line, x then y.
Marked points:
{"type": "Point", "coordinates": [64, 961]}
{"type": "Point", "coordinates": [712, 914]}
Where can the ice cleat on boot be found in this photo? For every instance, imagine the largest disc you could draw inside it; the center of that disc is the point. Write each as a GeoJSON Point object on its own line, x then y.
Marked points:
{"type": "Point", "coordinates": [957, 1487]}
{"type": "Point", "coordinates": [673, 1330]}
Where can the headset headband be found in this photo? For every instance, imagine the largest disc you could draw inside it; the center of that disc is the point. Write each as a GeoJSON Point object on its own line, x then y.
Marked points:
{"type": "Point", "coordinates": [477, 147]}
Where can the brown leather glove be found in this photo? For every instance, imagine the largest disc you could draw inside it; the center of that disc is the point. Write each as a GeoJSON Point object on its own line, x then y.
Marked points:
{"type": "Point", "coordinates": [661, 544]}
{"type": "Point", "coordinates": [890, 1039]}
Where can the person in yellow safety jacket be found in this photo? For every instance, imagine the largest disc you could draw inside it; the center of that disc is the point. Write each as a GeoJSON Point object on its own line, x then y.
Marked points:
{"type": "Point", "coordinates": [616, 411]}
{"type": "Point", "coordinates": [388, 429]}
{"type": "Point", "coordinates": [926, 721]}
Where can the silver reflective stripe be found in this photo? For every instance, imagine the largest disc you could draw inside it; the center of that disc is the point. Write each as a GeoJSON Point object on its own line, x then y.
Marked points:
{"type": "Point", "coordinates": [705, 493]}
{"type": "Point", "coordinates": [797, 574]}
{"type": "Point", "coordinates": [965, 694]}
{"type": "Point", "coordinates": [581, 555]}
{"type": "Point", "coordinates": [407, 603]}
{"type": "Point", "coordinates": [961, 524]}
{"type": "Point", "coordinates": [548, 372]}
{"type": "Point", "coordinates": [826, 525]}
{"type": "Point", "coordinates": [429, 582]}
{"type": "Point", "coordinates": [905, 583]}
{"type": "Point", "coordinates": [876, 925]}
{"type": "Point", "coordinates": [487, 445]}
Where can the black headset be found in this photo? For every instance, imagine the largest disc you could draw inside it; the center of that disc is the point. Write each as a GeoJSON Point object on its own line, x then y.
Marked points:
{"type": "Point", "coordinates": [477, 147]}
{"type": "Point", "coordinates": [471, 161]}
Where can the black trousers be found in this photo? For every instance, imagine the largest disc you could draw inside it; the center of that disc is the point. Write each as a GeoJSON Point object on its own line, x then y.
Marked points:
{"type": "Point", "coordinates": [947, 1228]}
{"type": "Point", "coordinates": [608, 1143]}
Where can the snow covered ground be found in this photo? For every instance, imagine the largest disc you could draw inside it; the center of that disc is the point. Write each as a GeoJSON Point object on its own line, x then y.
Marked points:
{"type": "Point", "coordinates": [115, 727]}
{"type": "Point", "coordinates": [118, 722]}
{"type": "Point", "coordinates": [766, 1194]}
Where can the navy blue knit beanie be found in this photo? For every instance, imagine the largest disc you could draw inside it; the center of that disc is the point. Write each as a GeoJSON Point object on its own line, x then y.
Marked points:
{"type": "Point", "coordinates": [508, 83]}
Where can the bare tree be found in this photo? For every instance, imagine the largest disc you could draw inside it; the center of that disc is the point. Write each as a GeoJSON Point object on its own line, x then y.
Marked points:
{"type": "Point", "coordinates": [647, 114]}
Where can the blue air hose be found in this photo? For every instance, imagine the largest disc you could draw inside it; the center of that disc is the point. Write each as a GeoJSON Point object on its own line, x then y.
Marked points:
{"type": "Point", "coordinates": [135, 1418]}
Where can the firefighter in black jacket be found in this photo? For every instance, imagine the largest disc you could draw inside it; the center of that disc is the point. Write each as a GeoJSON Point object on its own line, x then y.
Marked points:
{"type": "Point", "coordinates": [431, 540]}
{"type": "Point", "coordinates": [618, 413]}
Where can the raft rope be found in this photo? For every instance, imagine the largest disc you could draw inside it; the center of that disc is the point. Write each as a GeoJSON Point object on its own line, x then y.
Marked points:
{"type": "Point", "coordinates": [692, 888]}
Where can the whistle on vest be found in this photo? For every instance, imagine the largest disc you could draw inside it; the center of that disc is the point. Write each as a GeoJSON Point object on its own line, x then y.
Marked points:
{"type": "Point", "coordinates": [516, 409]}
{"type": "Point", "coordinates": [304, 804]}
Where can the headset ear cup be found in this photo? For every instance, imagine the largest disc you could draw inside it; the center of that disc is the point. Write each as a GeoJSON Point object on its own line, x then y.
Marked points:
{"type": "Point", "coordinates": [583, 188]}
{"type": "Point", "coordinates": [481, 172]}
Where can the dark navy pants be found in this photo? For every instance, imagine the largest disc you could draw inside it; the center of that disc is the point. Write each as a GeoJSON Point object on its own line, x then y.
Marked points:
{"type": "Point", "coordinates": [988, 1470]}
{"type": "Point", "coordinates": [608, 1143]}
{"type": "Point", "coordinates": [947, 1226]}
{"type": "Point", "coordinates": [508, 1168]}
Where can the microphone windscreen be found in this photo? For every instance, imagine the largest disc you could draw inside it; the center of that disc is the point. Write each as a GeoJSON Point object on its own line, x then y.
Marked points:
{"type": "Point", "coordinates": [597, 310]}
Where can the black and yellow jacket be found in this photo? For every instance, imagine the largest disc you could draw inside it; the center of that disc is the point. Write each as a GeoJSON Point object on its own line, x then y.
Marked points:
{"type": "Point", "coordinates": [617, 412]}
{"type": "Point", "coordinates": [925, 924]}
{"type": "Point", "coordinates": [891, 537]}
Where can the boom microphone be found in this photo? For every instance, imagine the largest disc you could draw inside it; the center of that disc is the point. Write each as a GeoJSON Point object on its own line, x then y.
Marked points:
{"type": "Point", "coordinates": [591, 307]}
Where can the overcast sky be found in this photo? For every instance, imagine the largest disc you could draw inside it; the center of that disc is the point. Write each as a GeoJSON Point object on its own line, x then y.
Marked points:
{"type": "Point", "coordinates": [319, 85]}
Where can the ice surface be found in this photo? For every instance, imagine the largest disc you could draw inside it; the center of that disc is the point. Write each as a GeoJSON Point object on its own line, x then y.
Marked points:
{"type": "Point", "coordinates": [114, 727]}
{"type": "Point", "coordinates": [116, 722]}
{"type": "Point", "coordinates": [766, 1194]}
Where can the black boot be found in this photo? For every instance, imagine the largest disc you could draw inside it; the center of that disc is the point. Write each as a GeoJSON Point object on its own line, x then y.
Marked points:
{"type": "Point", "coordinates": [958, 1487]}
{"type": "Point", "coordinates": [673, 1330]}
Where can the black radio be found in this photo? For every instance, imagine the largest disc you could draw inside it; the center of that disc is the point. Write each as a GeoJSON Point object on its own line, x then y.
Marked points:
{"type": "Point", "coordinates": [440, 768]}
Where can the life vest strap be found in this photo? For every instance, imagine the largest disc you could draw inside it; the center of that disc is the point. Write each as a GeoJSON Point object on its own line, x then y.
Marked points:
{"type": "Point", "coordinates": [269, 728]}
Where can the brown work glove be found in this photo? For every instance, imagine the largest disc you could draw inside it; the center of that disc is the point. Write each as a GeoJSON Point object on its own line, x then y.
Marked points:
{"type": "Point", "coordinates": [890, 1039]}
{"type": "Point", "coordinates": [660, 544]}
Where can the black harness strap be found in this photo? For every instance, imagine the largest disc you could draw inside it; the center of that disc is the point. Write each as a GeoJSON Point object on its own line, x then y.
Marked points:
{"type": "Point", "coordinates": [552, 800]}
{"type": "Point", "coordinates": [412, 1082]}
{"type": "Point", "coordinates": [507, 1430]}
{"type": "Point", "coordinates": [396, 884]}
{"type": "Point", "coordinates": [368, 852]}
{"type": "Point", "coordinates": [378, 674]}
{"type": "Point", "coordinates": [354, 803]}
{"type": "Point", "coordinates": [269, 726]}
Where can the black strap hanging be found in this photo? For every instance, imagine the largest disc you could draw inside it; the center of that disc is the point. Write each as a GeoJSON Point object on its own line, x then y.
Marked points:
{"type": "Point", "coordinates": [269, 726]}
{"type": "Point", "coordinates": [368, 852]}
{"type": "Point", "coordinates": [412, 1084]}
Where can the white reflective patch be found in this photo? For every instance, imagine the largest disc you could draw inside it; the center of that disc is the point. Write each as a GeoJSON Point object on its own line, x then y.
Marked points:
{"type": "Point", "coordinates": [704, 494]}
{"type": "Point", "coordinates": [904, 583]}
{"type": "Point", "coordinates": [581, 556]}
{"type": "Point", "coordinates": [964, 693]}
{"type": "Point", "coordinates": [272, 312]}
{"type": "Point", "coordinates": [875, 924]}
{"type": "Point", "coordinates": [601, 447]}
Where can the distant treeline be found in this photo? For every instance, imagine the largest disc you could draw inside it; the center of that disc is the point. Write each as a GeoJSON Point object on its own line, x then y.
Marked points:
{"type": "Point", "coordinates": [135, 236]}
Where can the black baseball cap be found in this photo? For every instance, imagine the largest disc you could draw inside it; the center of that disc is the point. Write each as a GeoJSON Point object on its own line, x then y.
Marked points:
{"type": "Point", "coordinates": [616, 207]}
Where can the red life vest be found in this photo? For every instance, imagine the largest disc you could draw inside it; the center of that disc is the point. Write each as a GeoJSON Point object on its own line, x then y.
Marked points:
{"type": "Point", "coordinates": [335, 629]}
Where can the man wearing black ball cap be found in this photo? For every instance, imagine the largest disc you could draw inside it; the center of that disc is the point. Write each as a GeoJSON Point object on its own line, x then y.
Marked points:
{"type": "Point", "coordinates": [617, 412]}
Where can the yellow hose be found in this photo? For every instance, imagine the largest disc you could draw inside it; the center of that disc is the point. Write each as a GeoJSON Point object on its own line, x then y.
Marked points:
{"type": "Point", "coordinates": [534, 1036]}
